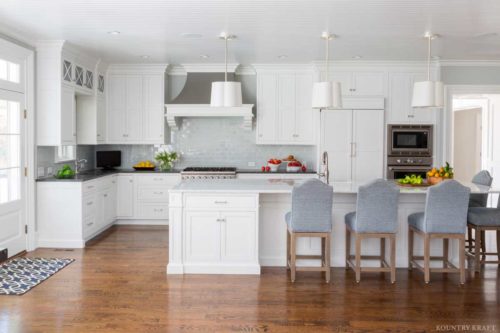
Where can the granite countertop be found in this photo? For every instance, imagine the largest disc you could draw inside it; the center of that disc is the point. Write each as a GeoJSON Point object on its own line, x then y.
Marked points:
{"type": "Point", "coordinates": [286, 186]}
{"type": "Point", "coordinates": [94, 174]}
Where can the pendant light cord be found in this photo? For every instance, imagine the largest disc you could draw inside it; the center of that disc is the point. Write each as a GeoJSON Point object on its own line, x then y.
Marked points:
{"type": "Point", "coordinates": [327, 40]}
{"type": "Point", "coordinates": [225, 59]}
{"type": "Point", "coordinates": [429, 58]}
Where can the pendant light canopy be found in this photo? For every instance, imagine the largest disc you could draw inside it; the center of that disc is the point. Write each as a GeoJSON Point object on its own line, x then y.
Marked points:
{"type": "Point", "coordinates": [428, 94]}
{"type": "Point", "coordinates": [327, 94]}
{"type": "Point", "coordinates": [226, 93]}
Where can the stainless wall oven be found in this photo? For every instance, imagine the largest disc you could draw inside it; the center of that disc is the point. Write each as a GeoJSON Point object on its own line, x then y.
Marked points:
{"type": "Point", "coordinates": [410, 140]}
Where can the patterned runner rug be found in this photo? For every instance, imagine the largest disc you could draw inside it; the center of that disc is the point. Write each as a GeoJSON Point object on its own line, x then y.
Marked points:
{"type": "Point", "coordinates": [19, 275]}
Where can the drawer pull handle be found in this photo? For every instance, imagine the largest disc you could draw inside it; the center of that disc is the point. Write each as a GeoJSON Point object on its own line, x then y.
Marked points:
{"type": "Point", "coordinates": [105, 195]}
{"type": "Point", "coordinates": [220, 202]}
{"type": "Point", "coordinates": [159, 210]}
{"type": "Point", "coordinates": [90, 223]}
{"type": "Point", "coordinates": [90, 203]}
{"type": "Point", "coordinates": [159, 193]}
{"type": "Point", "coordinates": [90, 187]}
{"type": "Point", "coordinates": [157, 179]}
{"type": "Point", "coordinates": [221, 220]}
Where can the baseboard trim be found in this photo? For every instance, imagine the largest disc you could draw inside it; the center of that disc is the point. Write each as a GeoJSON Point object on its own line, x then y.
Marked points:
{"type": "Point", "coordinates": [58, 244]}
{"type": "Point", "coordinates": [250, 269]}
{"type": "Point", "coordinates": [141, 222]}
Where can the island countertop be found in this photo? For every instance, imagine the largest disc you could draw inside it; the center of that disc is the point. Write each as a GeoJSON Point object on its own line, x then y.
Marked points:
{"type": "Point", "coordinates": [286, 186]}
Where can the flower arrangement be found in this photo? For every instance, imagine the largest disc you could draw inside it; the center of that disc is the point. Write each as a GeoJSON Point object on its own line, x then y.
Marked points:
{"type": "Point", "coordinates": [166, 157]}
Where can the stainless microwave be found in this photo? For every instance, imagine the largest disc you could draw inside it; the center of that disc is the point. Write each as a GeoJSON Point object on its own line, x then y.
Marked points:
{"type": "Point", "coordinates": [413, 140]}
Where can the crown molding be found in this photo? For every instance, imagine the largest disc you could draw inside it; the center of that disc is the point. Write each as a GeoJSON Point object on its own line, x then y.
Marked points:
{"type": "Point", "coordinates": [209, 68]}
{"type": "Point", "coordinates": [139, 68]}
{"type": "Point", "coordinates": [283, 67]}
{"type": "Point", "coordinates": [470, 63]}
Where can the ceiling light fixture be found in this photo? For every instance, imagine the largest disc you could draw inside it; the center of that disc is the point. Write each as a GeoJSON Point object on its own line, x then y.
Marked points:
{"type": "Point", "coordinates": [428, 94]}
{"type": "Point", "coordinates": [204, 56]}
{"type": "Point", "coordinates": [327, 94]}
{"type": "Point", "coordinates": [226, 93]}
{"type": "Point", "coordinates": [357, 57]}
{"type": "Point", "coordinates": [114, 32]}
{"type": "Point", "coordinates": [282, 56]}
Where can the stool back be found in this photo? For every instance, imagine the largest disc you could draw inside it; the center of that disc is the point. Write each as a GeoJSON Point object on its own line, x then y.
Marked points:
{"type": "Point", "coordinates": [483, 177]}
{"type": "Point", "coordinates": [377, 207]}
{"type": "Point", "coordinates": [312, 203]}
{"type": "Point", "coordinates": [446, 208]}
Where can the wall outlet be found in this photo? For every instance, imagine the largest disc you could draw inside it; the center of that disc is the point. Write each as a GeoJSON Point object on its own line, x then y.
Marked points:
{"type": "Point", "coordinates": [251, 164]}
{"type": "Point", "coordinates": [50, 171]}
{"type": "Point", "coordinates": [40, 172]}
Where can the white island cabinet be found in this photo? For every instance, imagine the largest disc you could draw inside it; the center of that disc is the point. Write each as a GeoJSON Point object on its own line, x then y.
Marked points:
{"type": "Point", "coordinates": [235, 226]}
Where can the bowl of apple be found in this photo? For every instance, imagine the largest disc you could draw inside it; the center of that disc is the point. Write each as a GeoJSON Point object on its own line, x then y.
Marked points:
{"type": "Point", "coordinates": [293, 166]}
{"type": "Point", "coordinates": [274, 164]}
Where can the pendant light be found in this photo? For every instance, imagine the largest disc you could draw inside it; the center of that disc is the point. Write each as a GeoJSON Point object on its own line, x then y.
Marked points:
{"type": "Point", "coordinates": [428, 94]}
{"type": "Point", "coordinates": [327, 94]}
{"type": "Point", "coordinates": [226, 93]}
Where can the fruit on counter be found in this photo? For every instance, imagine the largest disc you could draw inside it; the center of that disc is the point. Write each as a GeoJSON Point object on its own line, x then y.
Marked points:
{"type": "Point", "coordinates": [289, 158]}
{"type": "Point", "coordinates": [274, 161]}
{"type": "Point", "coordinates": [304, 168]}
{"type": "Point", "coordinates": [443, 172]}
{"type": "Point", "coordinates": [263, 169]}
{"type": "Point", "coordinates": [268, 168]}
{"type": "Point", "coordinates": [65, 172]}
{"type": "Point", "coordinates": [144, 164]}
{"type": "Point", "coordinates": [411, 180]}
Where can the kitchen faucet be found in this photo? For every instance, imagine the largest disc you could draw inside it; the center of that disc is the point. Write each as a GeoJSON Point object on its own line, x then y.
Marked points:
{"type": "Point", "coordinates": [326, 172]}
{"type": "Point", "coordinates": [79, 165]}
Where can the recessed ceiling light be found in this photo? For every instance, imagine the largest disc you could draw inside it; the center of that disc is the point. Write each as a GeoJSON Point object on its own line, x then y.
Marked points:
{"type": "Point", "coordinates": [357, 57]}
{"type": "Point", "coordinates": [191, 35]}
{"type": "Point", "coordinates": [145, 56]}
{"type": "Point", "coordinates": [204, 56]}
{"type": "Point", "coordinates": [282, 56]}
{"type": "Point", "coordinates": [114, 32]}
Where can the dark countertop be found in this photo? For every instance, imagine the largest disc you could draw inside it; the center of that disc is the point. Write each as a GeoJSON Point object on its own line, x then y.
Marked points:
{"type": "Point", "coordinates": [94, 174]}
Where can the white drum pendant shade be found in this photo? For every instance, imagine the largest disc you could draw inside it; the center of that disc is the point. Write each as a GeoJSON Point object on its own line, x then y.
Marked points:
{"type": "Point", "coordinates": [427, 94]}
{"type": "Point", "coordinates": [326, 95]}
{"type": "Point", "coordinates": [226, 93]}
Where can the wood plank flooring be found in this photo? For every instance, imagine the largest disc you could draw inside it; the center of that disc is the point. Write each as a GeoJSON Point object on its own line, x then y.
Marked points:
{"type": "Point", "coordinates": [119, 284]}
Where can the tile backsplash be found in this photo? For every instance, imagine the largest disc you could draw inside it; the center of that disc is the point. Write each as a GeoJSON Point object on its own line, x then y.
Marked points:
{"type": "Point", "coordinates": [46, 159]}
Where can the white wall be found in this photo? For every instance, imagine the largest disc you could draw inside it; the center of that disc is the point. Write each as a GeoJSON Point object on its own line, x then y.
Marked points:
{"type": "Point", "coordinates": [467, 143]}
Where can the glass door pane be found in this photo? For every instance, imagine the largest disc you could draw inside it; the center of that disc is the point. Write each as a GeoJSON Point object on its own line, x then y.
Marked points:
{"type": "Point", "coordinates": [10, 150]}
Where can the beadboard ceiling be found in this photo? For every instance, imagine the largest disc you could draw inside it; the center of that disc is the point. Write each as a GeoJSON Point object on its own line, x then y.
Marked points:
{"type": "Point", "coordinates": [266, 29]}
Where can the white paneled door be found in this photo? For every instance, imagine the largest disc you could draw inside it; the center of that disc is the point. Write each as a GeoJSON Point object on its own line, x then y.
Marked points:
{"type": "Point", "coordinates": [12, 156]}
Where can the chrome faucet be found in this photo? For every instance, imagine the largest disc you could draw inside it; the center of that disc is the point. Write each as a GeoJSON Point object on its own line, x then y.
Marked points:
{"type": "Point", "coordinates": [79, 164]}
{"type": "Point", "coordinates": [325, 175]}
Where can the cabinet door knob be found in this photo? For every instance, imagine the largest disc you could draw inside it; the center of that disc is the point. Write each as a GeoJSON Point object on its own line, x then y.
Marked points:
{"type": "Point", "coordinates": [130, 181]}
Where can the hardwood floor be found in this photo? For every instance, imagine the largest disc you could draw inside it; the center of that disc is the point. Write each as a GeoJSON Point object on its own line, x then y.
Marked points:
{"type": "Point", "coordinates": [119, 284]}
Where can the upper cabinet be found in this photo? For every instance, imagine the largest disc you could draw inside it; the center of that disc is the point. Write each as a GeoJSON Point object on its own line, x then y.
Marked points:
{"type": "Point", "coordinates": [62, 74]}
{"type": "Point", "coordinates": [284, 112]}
{"type": "Point", "coordinates": [135, 104]}
{"type": "Point", "coordinates": [361, 83]}
{"type": "Point", "coordinates": [399, 109]}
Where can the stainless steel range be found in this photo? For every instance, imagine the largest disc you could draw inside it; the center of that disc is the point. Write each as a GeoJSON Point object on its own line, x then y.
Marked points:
{"type": "Point", "coordinates": [409, 150]}
{"type": "Point", "coordinates": [208, 173]}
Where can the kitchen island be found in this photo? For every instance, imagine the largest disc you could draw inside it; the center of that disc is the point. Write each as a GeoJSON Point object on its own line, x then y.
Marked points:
{"type": "Point", "coordinates": [236, 226]}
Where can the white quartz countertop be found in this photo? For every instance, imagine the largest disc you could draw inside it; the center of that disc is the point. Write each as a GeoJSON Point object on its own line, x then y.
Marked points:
{"type": "Point", "coordinates": [286, 185]}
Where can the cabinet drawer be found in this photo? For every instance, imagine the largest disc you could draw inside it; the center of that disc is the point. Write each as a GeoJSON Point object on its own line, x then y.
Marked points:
{"type": "Point", "coordinates": [90, 186]}
{"type": "Point", "coordinates": [219, 202]}
{"type": "Point", "coordinates": [145, 193]}
{"type": "Point", "coordinates": [161, 179]}
{"type": "Point", "coordinates": [153, 211]}
{"type": "Point", "coordinates": [89, 226]}
{"type": "Point", "coordinates": [89, 205]}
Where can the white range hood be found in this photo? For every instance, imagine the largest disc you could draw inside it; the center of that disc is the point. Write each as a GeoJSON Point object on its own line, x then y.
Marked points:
{"type": "Point", "coordinates": [175, 111]}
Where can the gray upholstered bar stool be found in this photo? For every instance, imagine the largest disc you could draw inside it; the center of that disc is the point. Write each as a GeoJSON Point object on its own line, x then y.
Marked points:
{"type": "Point", "coordinates": [484, 178]}
{"type": "Point", "coordinates": [376, 216]}
{"type": "Point", "coordinates": [311, 216]}
{"type": "Point", "coordinates": [481, 219]}
{"type": "Point", "coordinates": [445, 217]}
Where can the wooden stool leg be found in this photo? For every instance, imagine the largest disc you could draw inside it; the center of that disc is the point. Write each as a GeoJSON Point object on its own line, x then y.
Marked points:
{"type": "Point", "coordinates": [461, 252]}
{"type": "Point", "coordinates": [293, 254]}
{"type": "Point", "coordinates": [357, 268]}
{"type": "Point", "coordinates": [427, 258]}
{"type": "Point", "coordinates": [477, 250]}
{"type": "Point", "coordinates": [393, 258]}
{"type": "Point", "coordinates": [483, 244]}
{"type": "Point", "coordinates": [382, 251]}
{"type": "Point", "coordinates": [287, 249]}
{"type": "Point", "coordinates": [323, 251]}
{"type": "Point", "coordinates": [410, 248]}
{"type": "Point", "coordinates": [347, 247]}
{"type": "Point", "coordinates": [498, 246]}
{"type": "Point", "coordinates": [469, 238]}
{"type": "Point", "coordinates": [445, 252]}
{"type": "Point", "coordinates": [327, 258]}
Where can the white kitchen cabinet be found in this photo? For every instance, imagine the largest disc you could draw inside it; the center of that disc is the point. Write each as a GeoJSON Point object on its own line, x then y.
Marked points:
{"type": "Point", "coordinates": [399, 109]}
{"type": "Point", "coordinates": [354, 140]}
{"type": "Point", "coordinates": [71, 213]}
{"type": "Point", "coordinates": [135, 105]}
{"type": "Point", "coordinates": [68, 116]}
{"type": "Point", "coordinates": [238, 237]}
{"type": "Point", "coordinates": [203, 240]}
{"type": "Point", "coordinates": [284, 112]}
{"type": "Point", "coordinates": [59, 70]}
{"type": "Point", "coordinates": [125, 196]}
{"type": "Point", "coordinates": [360, 83]}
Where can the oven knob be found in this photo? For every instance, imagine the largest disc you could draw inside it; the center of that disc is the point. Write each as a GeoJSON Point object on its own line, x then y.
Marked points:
{"type": "Point", "coordinates": [398, 161]}
{"type": "Point", "coordinates": [409, 161]}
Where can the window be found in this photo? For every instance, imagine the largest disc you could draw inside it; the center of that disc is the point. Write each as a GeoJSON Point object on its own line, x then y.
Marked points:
{"type": "Point", "coordinates": [65, 154]}
{"type": "Point", "coordinates": [9, 71]}
{"type": "Point", "coordinates": [10, 151]}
